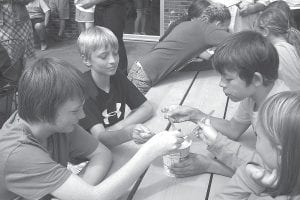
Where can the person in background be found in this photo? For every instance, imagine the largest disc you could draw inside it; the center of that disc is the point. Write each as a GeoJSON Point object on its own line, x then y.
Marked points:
{"type": "Point", "coordinates": [194, 11]}
{"type": "Point", "coordinates": [84, 17]}
{"type": "Point", "coordinates": [274, 24]}
{"type": "Point", "coordinates": [186, 41]}
{"type": "Point", "coordinates": [140, 21]}
{"type": "Point", "coordinates": [109, 92]}
{"type": "Point", "coordinates": [275, 168]}
{"type": "Point", "coordinates": [39, 14]}
{"type": "Point", "coordinates": [16, 35]}
{"type": "Point", "coordinates": [62, 9]}
{"type": "Point", "coordinates": [248, 11]}
{"type": "Point", "coordinates": [112, 15]}
{"type": "Point", "coordinates": [37, 142]}
{"type": "Point", "coordinates": [248, 64]}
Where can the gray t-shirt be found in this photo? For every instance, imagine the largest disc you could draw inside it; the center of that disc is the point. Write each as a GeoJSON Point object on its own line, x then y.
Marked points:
{"type": "Point", "coordinates": [186, 40]}
{"type": "Point", "coordinates": [29, 170]}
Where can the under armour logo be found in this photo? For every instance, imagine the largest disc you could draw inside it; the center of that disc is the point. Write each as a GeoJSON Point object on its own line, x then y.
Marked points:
{"type": "Point", "coordinates": [107, 115]}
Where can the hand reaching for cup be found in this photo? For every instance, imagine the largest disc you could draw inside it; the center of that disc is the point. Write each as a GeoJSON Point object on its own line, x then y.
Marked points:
{"type": "Point", "coordinates": [141, 134]}
{"type": "Point", "coordinates": [164, 142]}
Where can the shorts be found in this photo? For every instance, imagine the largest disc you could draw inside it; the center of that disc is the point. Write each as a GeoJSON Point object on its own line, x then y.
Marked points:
{"type": "Point", "coordinates": [61, 7]}
{"type": "Point", "coordinates": [141, 4]}
{"type": "Point", "coordinates": [139, 78]}
{"type": "Point", "coordinates": [81, 16]}
{"type": "Point", "coordinates": [34, 21]}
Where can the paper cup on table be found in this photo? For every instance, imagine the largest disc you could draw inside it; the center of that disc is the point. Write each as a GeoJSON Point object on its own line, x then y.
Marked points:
{"type": "Point", "coordinates": [177, 156]}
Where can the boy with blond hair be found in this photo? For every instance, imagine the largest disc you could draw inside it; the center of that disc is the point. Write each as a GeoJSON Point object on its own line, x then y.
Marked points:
{"type": "Point", "coordinates": [109, 91]}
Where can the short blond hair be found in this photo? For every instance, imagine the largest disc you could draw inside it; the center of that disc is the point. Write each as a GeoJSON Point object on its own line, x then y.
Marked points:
{"type": "Point", "coordinates": [96, 38]}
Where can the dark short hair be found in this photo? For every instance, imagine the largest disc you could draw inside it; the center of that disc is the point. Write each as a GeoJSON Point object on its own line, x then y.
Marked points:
{"type": "Point", "coordinates": [45, 86]}
{"type": "Point", "coordinates": [247, 52]}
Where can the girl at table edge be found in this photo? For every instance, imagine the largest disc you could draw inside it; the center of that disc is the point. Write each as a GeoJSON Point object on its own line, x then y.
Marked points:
{"type": "Point", "coordinates": [279, 123]}
{"type": "Point", "coordinates": [37, 142]}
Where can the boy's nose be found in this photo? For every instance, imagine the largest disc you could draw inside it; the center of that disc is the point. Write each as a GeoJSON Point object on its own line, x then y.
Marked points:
{"type": "Point", "coordinates": [113, 59]}
{"type": "Point", "coordinates": [222, 84]}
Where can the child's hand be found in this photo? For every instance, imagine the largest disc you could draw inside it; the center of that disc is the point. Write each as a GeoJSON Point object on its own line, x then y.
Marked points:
{"type": "Point", "coordinates": [177, 113]}
{"type": "Point", "coordinates": [141, 134]}
{"type": "Point", "coordinates": [165, 141]}
{"type": "Point", "coordinates": [206, 132]}
{"type": "Point", "coordinates": [262, 176]}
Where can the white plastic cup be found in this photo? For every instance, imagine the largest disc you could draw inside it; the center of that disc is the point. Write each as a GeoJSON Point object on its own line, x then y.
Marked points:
{"type": "Point", "coordinates": [177, 156]}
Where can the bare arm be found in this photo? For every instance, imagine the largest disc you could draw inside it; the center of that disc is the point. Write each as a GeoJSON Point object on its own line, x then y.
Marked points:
{"type": "Point", "coordinates": [114, 186]}
{"type": "Point", "coordinates": [89, 3]}
{"type": "Point", "coordinates": [47, 16]}
{"type": "Point", "coordinates": [232, 129]}
{"type": "Point", "coordinates": [199, 164]}
{"type": "Point", "coordinates": [111, 138]}
{"type": "Point", "coordinates": [252, 8]}
{"type": "Point", "coordinates": [99, 163]}
{"type": "Point", "coordinates": [139, 115]}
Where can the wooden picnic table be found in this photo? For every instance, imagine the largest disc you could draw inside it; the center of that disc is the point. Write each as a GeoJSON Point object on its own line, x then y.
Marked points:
{"type": "Point", "coordinates": [169, 91]}
{"type": "Point", "coordinates": [196, 89]}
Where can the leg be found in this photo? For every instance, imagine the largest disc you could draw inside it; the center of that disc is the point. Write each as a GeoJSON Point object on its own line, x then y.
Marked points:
{"type": "Point", "coordinates": [138, 20]}
{"type": "Point", "coordinates": [139, 78]}
{"type": "Point", "coordinates": [89, 25]}
{"type": "Point", "coordinates": [143, 22]}
{"type": "Point", "coordinates": [41, 32]}
{"type": "Point", "coordinates": [80, 26]}
{"type": "Point", "coordinates": [63, 12]}
{"type": "Point", "coordinates": [62, 25]}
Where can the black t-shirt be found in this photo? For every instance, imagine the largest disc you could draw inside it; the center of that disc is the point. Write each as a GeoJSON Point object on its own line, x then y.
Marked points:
{"type": "Point", "coordinates": [109, 108]}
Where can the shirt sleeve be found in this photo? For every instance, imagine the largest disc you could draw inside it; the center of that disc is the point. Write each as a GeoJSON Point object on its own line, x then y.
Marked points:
{"type": "Point", "coordinates": [214, 36]}
{"type": "Point", "coordinates": [44, 6]}
{"type": "Point", "coordinates": [134, 98]}
{"type": "Point", "coordinates": [82, 143]}
{"type": "Point", "coordinates": [232, 153]}
{"type": "Point", "coordinates": [240, 187]}
{"type": "Point", "coordinates": [243, 114]}
{"type": "Point", "coordinates": [37, 176]}
{"type": "Point", "coordinates": [264, 2]}
{"type": "Point", "coordinates": [91, 117]}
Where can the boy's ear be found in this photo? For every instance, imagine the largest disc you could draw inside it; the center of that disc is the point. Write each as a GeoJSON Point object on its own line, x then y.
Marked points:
{"type": "Point", "coordinates": [265, 32]}
{"type": "Point", "coordinates": [85, 60]}
{"type": "Point", "coordinates": [257, 79]}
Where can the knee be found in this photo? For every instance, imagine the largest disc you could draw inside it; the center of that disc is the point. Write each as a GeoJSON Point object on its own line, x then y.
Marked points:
{"type": "Point", "coordinates": [39, 26]}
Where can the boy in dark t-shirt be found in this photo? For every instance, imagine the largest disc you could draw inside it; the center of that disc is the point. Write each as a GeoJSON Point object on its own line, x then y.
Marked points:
{"type": "Point", "coordinates": [110, 91]}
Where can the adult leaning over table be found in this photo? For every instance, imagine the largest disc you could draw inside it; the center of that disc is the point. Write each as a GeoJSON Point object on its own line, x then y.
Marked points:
{"type": "Point", "coordinates": [38, 141]}
{"type": "Point", "coordinates": [186, 41]}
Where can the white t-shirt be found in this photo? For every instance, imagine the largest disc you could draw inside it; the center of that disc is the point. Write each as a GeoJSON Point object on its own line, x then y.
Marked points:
{"type": "Point", "coordinates": [289, 64]}
{"type": "Point", "coordinates": [78, 6]}
{"type": "Point", "coordinates": [245, 112]}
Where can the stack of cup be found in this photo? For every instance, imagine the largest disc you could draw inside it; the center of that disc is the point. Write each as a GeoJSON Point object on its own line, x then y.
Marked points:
{"type": "Point", "coordinates": [177, 156]}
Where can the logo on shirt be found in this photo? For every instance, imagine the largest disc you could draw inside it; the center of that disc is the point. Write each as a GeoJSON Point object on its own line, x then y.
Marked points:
{"type": "Point", "coordinates": [106, 115]}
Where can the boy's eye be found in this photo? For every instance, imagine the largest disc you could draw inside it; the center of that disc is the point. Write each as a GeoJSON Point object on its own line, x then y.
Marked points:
{"type": "Point", "coordinates": [103, 56]}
